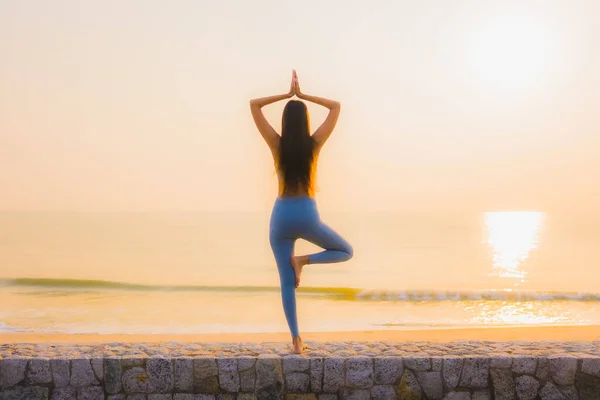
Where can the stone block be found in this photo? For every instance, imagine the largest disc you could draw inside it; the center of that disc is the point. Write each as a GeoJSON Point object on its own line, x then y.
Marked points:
{"type": "Point", "coordinates": [503, 383]}
{"type": "Point", "coordinates": [524, 365]}
{"type": "Point", "coordinates": [136, 380]}
{"type": "Point", "coordinates": [475, 373]}
{"type": "Point", "coordinates": [229, 377]}
{"type": "Point", "coordinates": [25, 393]}
{"type": "Point", "coordinates": [112, 375]}
{"type": "Point", "coordinates": [316, 375]}
{"type": "Point", "coordinates": [269, 378]}
{"type": "Point", "coordinates": [12, 371]}
{"type": "Point", "coordinates": [563, 369]}
{"type": "Point", "coordinates": [527, 387]}
{"type": "Point", "coordinates": [295, 363]}
{"type": "Point", "coordinates": [333, 374]}
{"type": "Point", "coordinates": [383, 392]}
{"type": "Point", "coordinates": [160, 373]}
{"type": "Point", "coordinates": [451, 370]}
{"type": "Point", "coordinates": [38, 372]}
{"type": "Point", "coordinates": [297, 382]}
{"type": "Point", "coordinates": [431, 383]}
{"type": "Point", "coordinates": [409, 387]}
{"type": "Point", "coordinates": [457, 396]}
{"type": "Point", "coordinates": [388, 370]}
{"type": "Point", "coordinates": [359, 372]}
{"type": "Point", "coordinates": [90, 393]}
{"type": "Point", "coordinates": [183, 374]}
{"type": "Point", "coordinates": [418, 363]}
{"type": "Point", "coordinates": [82, 374]}
{"type": "Point", "coordinates": [64, 393]}
{"type": "Point", "coordinates": [206, 375]}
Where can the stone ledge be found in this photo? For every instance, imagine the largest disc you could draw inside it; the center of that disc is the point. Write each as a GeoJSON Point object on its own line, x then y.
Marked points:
{"type": "Point", "coordinates": [327, 371]}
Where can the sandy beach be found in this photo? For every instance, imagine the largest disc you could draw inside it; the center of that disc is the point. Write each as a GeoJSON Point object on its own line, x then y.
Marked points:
{"type": "Point", "coordinates": [552, 333]}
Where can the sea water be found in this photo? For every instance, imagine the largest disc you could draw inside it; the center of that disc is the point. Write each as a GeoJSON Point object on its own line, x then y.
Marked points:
{"type": "Point", "coordinates": [160, 272]}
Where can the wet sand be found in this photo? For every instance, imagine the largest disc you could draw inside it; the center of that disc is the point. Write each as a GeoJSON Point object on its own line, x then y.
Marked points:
{"type": "Point", "coordinates": [534, 333]}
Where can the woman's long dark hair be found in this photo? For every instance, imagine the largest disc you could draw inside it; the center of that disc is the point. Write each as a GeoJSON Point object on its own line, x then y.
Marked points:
{"type": "Point", "coordinates": [296, 148]}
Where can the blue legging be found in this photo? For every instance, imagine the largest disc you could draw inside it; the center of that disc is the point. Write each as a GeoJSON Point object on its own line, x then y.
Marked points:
{"type": "Point", "coordinates": [298, 218]}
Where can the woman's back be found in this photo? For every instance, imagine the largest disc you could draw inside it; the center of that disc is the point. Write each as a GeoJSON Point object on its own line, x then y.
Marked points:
{"type": "Point", "coordinates": [298, 189]}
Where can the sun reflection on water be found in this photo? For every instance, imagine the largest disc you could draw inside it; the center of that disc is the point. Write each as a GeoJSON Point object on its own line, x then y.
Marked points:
{"type": "Point", "coordinates": [512, 236]}
{"type": "Point", "coordinates": [519, 313]}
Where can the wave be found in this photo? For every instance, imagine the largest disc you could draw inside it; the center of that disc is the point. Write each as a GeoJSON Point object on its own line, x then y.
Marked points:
{"type": "Point", "coordinates": [331, 293]}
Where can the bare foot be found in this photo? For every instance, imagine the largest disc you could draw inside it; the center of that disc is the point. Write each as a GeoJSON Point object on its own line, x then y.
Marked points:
{"type": "Point", "coordinates": [298, 345]}
{"type": "Point", "coordinates": [298, 262]}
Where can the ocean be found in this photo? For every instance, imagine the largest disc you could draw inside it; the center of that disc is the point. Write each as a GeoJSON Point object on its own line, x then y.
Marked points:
{"type": "Point", "coordinates": [160, 272]}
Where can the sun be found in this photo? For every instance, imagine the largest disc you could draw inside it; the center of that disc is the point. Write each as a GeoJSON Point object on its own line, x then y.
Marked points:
{"type": "Point", "coordinates": [510, 51]}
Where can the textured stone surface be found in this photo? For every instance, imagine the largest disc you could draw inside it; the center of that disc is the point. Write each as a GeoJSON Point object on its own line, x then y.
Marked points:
{"type": "Point", "coordinates": [409, 387]}
{"type": "Point", "coordinates": [418, 364]}
{"type": "Point", "coordinates": [431, 383]}
{"type": "Point", "coordinates": [160, 396]}
{"type": "Point", "coordinates": [383, 392]}
{"type": "Point", "coordinates": [591, 366]}
{"type": "Point", "coordinates": [112, 375]}
{"type": "Point", "coordinates": [98, 368]}
{"type": "Point", "coordinates": [333, 374]}
{"type": "Point", "coordinates": [68, 393]}
{"type": "Point", "coordinates": [12, 371]}
{"type": "Point", "coordinates": [570, 392]}
{"type": "Point", "coordinates": [61, 374]}
{"type": "Point", "coordinates": [501, 362]}
{"type": "Point", "coordinates": [503, 383]}
{"type": "Point", "coordinates": [563, 369]}
{"type": "Point", "coordinates": [136, 380]}
{"type": "Point", "coordinates": [295, 364]}
{"type": "Point", "coordinates": [82, 374]}
{"type": "Point", "coordinates": [246, 396]}
{"type": "Point", "coordinates": [136, 396]}
{"type": "Point", "coordinates": [269, 378]}
{"type": "Point", "coordinates": [38, 371]}
{"type": "Point", "coordinates": [187, 396]}
{"type": "Point", "coordinates": [543, 369]}
{"type": "Point", "coordinates": [25, 393]}
{"type": "Point", "coordinates": [206, 375]}
{"type": "Point", "coordinates": [90, 393]}
{"type": "Point", "coordinates": [305, 396]}
{"type": "Point", "coordinates": [247, 378]}
{"type": "Point", "coordinates": [229, 377]}
{"type": "Point", "coordinates": [135, 354]}
{"type": "Point", "coordinates": [388, 370]}
{"type": "Point", "coordinates": [327, 396]}
{"type": "Point", "coordinates": [356, 394]}
{"type": "Point", "coordinates": [359, 372]}
{"type": "Point", "coordinates": [458, 396]}
{"type": "Point", "coordinates": [527, 387]}
{"type": "Point", "coordinates": [475, 373]}
{"type": "Point", "coordinates": [524, 365]}
{"type": "Point", "coordinates": [550, 392]}
{"type": "Point", "coordinates": [407, 370]}
{"type": "Point", "coordinates": [451, 370]}
{"type": "Point", "coordinates": [183, 374]}
{"type": "Point", "coordinates": [481, 395]}
{"type": "Point", "coordinates": [316, 375]}
{"type": "Point", "coordinates": [588, 386]}
{"type": "Point", "coordinates": [160, 373]}
{"type": "Point", "coordinates": [297, 382]}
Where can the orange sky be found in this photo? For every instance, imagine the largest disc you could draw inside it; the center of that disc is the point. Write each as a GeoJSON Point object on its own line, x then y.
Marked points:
{"type": "Point", "coordinates": [143, 105]}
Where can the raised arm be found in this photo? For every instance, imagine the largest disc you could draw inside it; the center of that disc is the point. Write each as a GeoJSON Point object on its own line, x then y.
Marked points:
{"type": "Point", "coordinates": [324, 131]}
{"type": "Point", "coordinates": [265, 129]}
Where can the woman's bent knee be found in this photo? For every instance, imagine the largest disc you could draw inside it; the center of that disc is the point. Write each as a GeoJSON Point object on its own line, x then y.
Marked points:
{"type": "Point", "coordinates": [349, 250]}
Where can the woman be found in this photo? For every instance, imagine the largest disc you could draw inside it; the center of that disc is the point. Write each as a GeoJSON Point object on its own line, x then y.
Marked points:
{"type": "Point", "coordinates": [295, 215]}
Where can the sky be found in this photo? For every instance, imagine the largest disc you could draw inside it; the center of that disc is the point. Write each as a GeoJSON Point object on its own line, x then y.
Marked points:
{"type": "Point", "coordinates": [143, 105]}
